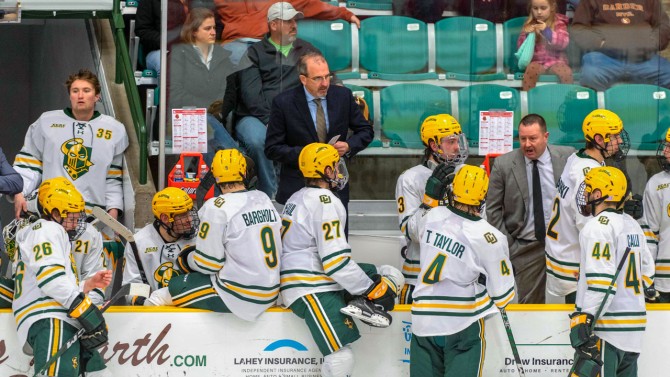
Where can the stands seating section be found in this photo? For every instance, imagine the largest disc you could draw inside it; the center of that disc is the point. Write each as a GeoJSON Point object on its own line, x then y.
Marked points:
{"type": "Point", "coordinates": [462, 66]}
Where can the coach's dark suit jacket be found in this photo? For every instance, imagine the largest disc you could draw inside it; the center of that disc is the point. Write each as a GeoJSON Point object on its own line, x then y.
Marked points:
{"type": "Point", "coordinates": [291, 128]}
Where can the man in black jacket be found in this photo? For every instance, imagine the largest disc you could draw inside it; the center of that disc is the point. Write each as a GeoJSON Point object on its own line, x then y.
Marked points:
{"type": "Point", "coordinates": [148, 28]}
{"type": "Point", "coordinates": [272, 70]}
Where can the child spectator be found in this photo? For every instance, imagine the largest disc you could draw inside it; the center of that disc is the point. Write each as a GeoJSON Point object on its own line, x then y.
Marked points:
{"type": "Point", "coordinates": [551, 29]}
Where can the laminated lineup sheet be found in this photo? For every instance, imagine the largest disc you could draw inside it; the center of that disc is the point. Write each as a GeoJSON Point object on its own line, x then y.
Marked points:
{"type": "Point", "coordinates": [189, 130]}
{"type": "Point", "coordinates": [496, 130]}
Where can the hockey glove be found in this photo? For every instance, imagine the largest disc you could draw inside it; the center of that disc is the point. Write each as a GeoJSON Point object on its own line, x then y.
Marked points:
{"type": "Point", "coordinates": [182, 259]}
{"type": "Point", "coordinates": [582, 338]}
{"type": "Point", "coordinates": [651, 295]}
{"type": "Point", "coordinates": [633, 206]}
{"type": "Point", "coordinates": [382, 292]}
{"type": "Point", "coordinates": [91, 320]}
{"type": "Point", "coordinates": [436, 186]}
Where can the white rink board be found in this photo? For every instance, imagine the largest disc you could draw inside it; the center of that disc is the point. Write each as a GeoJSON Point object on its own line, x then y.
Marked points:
{"type": "Point", "coordinates": [195, 344]}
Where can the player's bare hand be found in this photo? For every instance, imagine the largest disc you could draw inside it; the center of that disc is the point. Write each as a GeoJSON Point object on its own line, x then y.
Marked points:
{"type": "Point", "coordinates": [101, 280]}
{"type": "Point", "coordinates": [20, 205]}
{"type": "Point", "coordinates": [342, 147]}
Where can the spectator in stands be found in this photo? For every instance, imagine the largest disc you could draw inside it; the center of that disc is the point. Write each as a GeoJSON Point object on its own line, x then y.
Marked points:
{"type": "Point", "coordinates": [496, 11]}
{"type": "Point", "coordinates": [512, 198]}
{"type": "Point", "coordinates": [428, 11]}
{"type": "Point", "coordinates": [78, 143]}
{"type": "Point", "coordinates": [551, 40]}
{"type": "Point", "coordinates": [148, 28]}
{"type": "Point", "coordinates": [622, 44]}
{"type": "Point", "coordinates": [313, 112]}
{"type": "Point", "coordinates": [198, 72]}
{"type": "Point", "coordinates": [244, 20]}
{"type": "Point", "coordinates": [273, 70]}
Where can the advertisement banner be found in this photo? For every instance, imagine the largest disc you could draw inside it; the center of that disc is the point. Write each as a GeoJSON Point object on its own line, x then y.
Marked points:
{"type": "Point", "coordinates": [190, 343]}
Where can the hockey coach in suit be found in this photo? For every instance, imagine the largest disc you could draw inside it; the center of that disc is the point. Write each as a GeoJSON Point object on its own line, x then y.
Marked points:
{"type": "Point", "coordinates": [510, 204]}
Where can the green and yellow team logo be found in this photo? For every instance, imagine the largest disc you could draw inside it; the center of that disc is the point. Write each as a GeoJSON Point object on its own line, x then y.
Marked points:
{"type": "Point", "coordinates": [77, 159]}
{"type": "Point", "coordinates": [164, 273]}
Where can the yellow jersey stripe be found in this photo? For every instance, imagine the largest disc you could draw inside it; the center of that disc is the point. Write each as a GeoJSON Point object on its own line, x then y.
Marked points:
{"type": "Point", "coordinates": [640, 321]}
{"type": "Point", "coordinates": [305, 278]}
{"type": "Point", "coordinates": [29, 161]}
{"type": "Point", "coordinates": [507, 300]}
{"type": "Point", "coordinates": [476, 305]}
{"type": "Point", "coordinates": [207, 263]}
{"type": "Point", "coordinates": [49, 272]}
{"type": "Point", "coordinates": [411, 269]}
{"type": "Point", "coordinates": [48, 304]}
{"type": "Point", "coordinates": [562, 269]}
{"type": "Point", "coordinates": [7, 293]}
{"type": "Point", "coordinates": [55, 344]}
{"type": "Point", "coordinates": [334, 262]}
{"type": "Point", "coordinates": [252, 293]}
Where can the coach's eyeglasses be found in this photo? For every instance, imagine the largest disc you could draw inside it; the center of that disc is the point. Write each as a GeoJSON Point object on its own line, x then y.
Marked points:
{"type": "Point", "coordinates": [320, 79]}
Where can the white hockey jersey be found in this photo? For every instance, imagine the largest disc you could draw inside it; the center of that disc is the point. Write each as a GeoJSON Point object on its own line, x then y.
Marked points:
{"type": "Point", "coordinates": [239, 244]}
{"type": "Point", "coordinates": [157, 257]}
{"type": "Point", "coordinates": [562, 242]}
{"type": "Point", "coordinates": [409, 191]}
{"type": "Point", "coordinates": [89, 258]}
{"type": "Point", "coordinates": [656, 225]}
{"type": "Point", "coordinates": [603, 241]}
{"type": "Point", "coordinates": [455, 249]}
{"type": "Point", "coordinates": [90, 154]}
{"type": "Point", "coordinates": [317, 257]}
{"type": "Point", "coordinates": [46, 277]}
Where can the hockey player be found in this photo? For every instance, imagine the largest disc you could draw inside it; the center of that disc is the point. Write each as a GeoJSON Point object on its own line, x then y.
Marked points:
{"type": "Point", "coordinates": [607, 330]}
{"type": "Point", "coordinates": [235, 262]}
{"type": "Point", "coordinates": [605, 137]}
{"type": "Point", "coordinates": [445, 143]}
{"type": "Point", "coordinates": [159, 243]}
{"type": "Point", "coordinates": [318, 276]}
{"type": "Point", "coordinates": [656, 219]}
{"type": "Point", "coordinates": [49, 305]}
{"type": "Point", "coordinates": [465, 274]}
{"type": "Point", "coordinates": [78, 143]}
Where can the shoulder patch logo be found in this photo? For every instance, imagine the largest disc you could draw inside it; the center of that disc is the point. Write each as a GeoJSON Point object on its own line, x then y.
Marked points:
{"type": "Point", "coordinates": [37, 226]}
{"type": "Point", "coordinates": [219, 202]}
{"type": "Point", "coordinates": [490, 238]}
{"type": "Point", "coordinates": [325, 199]}
{"type": "Point", "coordinates": [76, 157]}
{"type": "Point", "coordinates": [603, 220]}
{"type": "Point", "coordinates": [586, 171]}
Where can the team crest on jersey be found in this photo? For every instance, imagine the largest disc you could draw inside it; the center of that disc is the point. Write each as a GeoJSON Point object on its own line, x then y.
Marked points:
{"type": "Point", "coordinates": [77, 157]}
{"type": "Point", "coordinates": [164, 273]}
{"type": "Point", "coordinates": [75, 362]}
{"type": "Point", "coordinates": [490, 237]}
{"type": "Point", "coordinates": [603, 220]}
{"type": "Point", "coordinates": [348, 323]}
{"type": "Point", "coordinates": [325, 199]}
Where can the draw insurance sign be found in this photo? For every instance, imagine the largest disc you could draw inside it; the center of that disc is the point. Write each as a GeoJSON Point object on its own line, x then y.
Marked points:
{"type": "Point", "coordinates": [495, 131]}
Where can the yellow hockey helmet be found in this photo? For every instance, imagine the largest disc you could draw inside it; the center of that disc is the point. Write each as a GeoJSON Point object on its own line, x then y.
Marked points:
{"type": "Point", "coordinates": [435, 127]}
{"type": "Point", "coordinates": [171, 201]}
{"type": "Point", "coordinates": [315, 157]}
{"type": "Point", "coordinates": [609, 180]}
{"type": "Point", "coordinates": [229, 165]}
{"type": "Point", "coordinates": [663, 152]}
{"type": "Point", "coordinates": [601, 122]}
{"type": "Point", "coordinates": [60, 194]}
{"type": "Point", "coordinates": [470, 185]}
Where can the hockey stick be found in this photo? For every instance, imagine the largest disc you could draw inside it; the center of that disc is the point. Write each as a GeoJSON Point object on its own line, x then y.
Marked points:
{"type": "Point", "coordinates": [512, 343]}
{"type": "Point", "coordinates": [124, 233]}
{"type": "Point", "coordinates": [132, 289]}
{"type": "Point", "coordinates": [609, 289]}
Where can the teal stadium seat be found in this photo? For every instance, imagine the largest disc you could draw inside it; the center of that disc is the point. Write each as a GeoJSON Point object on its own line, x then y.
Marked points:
{"type": "Point", "coordinates": [484, 97]}
{"type": "Point", "coordinates": [333, 38]}
{"type": "Point", "coordinates": [405, 106]}
{"type": "Point", "coordinates": [367, 95]}
{"type": "Point", "coordinates": [564, 107]}
{"type": "Point", "coordinates": [466, 49]}
{"type": "Point", "coordinates": [395, 48]}
{"type": "Point", "coordinates": [644, 110]}
{"type": "Point", "coordinates": [371, 4]}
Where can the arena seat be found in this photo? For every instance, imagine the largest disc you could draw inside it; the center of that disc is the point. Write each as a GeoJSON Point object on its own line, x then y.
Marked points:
{"type": "Point", "coordinates": [395, 48]}
{"type": "Point", "coordinates": [484, 97]}
{"type": "Point", "coordinates": [564, 107]}
{"type": "Point", "coordinates": [405, 106]}
{"type": "Point", "coordinates": [333, 38]}
{"type": "Point", "coordinates": [466, 49]}
{"type": "Point", "coordinates": [644, 110]}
